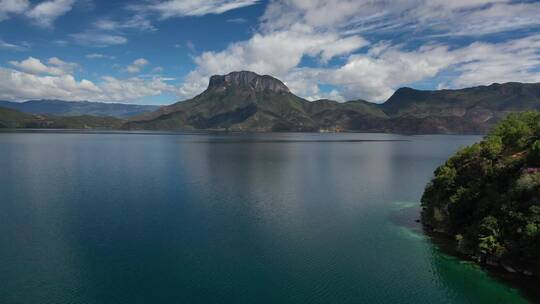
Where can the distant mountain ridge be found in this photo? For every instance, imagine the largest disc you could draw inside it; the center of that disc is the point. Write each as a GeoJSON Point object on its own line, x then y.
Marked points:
{"type": "Point", "coordinates": [77, 108]}
{"type": "Point", "coordinates": [512, 96]}
{"type": "Point", "coordinates": [13, 119]}
{"type": "Point", "coordinates": [246, 101]}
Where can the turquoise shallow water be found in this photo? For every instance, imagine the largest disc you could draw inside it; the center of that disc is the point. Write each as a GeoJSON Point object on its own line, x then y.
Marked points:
{"type": "Point", "coordinates": [269, 218]}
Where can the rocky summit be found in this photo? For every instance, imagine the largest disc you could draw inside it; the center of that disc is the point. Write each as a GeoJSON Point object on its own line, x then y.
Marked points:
{"type": "Point", "coordinates": [249, 81]}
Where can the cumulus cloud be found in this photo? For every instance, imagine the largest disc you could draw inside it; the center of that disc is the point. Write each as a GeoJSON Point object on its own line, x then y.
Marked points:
{"type": "Point", "coordinates": [376, 74]}
{"type": "Point", "coordinates": [11, 7]}
{"type": "Point", "coordinates": [341, 40]}
{"type": "Point", "coordinates": [137, 65]}
{"type": "Point", "coordinates": [20, 85]}
{"type": "Point", "coordinates": [34, 66]}
{"type": "Point", "coordinates": [33, 78]}
{"type": "Point", "coordinates": [292, 30]}
{"type": "Point", "coordinates": [67, 67]}
{"type": "Point", "coordinates": [45, 13]}
{"type": "Point", "coordinates": [275, 54]}
{"type": "Point", "coordinates": [132, 88]}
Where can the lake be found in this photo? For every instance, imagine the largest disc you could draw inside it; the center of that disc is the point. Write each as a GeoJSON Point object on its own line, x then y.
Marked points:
{"type": "Point", "coordinates": [225, 218]}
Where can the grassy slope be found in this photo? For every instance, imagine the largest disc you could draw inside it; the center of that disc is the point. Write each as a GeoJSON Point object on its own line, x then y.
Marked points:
{"type": "Point", "coordinates": [14, 119]}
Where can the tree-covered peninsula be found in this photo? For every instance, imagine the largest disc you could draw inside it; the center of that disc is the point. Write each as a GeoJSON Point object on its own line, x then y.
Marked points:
{"type": "Point", "coordinates": [487, 197]}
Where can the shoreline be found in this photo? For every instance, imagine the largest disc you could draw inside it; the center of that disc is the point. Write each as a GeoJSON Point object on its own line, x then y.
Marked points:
{"type": "Point", "coordinates": [528, 286]}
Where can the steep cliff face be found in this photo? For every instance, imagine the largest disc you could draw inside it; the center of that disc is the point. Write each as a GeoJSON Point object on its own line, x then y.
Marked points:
{"type": "Point", "coordinates": [247, 81]}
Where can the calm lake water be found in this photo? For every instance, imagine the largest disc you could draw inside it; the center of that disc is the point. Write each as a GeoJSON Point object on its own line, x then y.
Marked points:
{"type": "Point", "coordinates": [270, 218]}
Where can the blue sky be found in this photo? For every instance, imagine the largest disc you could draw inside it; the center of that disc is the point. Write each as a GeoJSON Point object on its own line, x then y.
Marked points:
{"type": "Point", "coordinates": [162, 51]}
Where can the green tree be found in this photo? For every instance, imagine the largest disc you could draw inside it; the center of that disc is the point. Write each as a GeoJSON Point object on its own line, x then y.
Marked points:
{"type": "Point", "coordinates": [492, 146]}
{"type": "Point", "coordinates": [488, 194]}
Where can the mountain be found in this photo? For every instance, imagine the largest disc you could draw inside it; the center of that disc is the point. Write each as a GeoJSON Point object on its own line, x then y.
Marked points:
{"type": "Point", "coordinates": [240, 101]}
{"type": "Point", "coordinates": [77, 108]}
{"type": "Point", "coordinates": [245, 101]}
{"type": "Point", "coordinates": [486, 198]}
{"type": "Point", "coordinates": [470, 110]}
{"type": "Point", "coordinates": [506, 97]}
{"type": "Point", "coordinates": [14, 119]}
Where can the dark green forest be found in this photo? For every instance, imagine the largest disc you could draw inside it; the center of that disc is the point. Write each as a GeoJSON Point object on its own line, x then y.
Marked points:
{"type": "Point", "coordinates": [487, 196]}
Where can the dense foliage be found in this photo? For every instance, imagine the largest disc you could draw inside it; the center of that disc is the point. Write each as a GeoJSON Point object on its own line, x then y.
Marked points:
{"type": "Point", "coordinates": [487, 196]}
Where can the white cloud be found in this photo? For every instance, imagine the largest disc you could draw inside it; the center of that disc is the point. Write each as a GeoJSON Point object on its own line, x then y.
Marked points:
{"type": "Point", "coordinates": [106, 32]}
{"type": "Point", "coordinates": [276, 53]}
{"type": "Point", "coordinates": [45, 13]}
{"type": "Point", "coordinates": [99, 56]}
{"type": "Point", "coordinates": [67, 67]}
{"type": "Point", "coordinates": [237, 20]}
{"type": "Point", "coordinates": [18, 85]}
{"type": "Point", "coordinates": [137, 65]}
{"type": "Point", "coordinates": [10, 46]}
{"type": "Point", "coordinates": [21, 85]}
{"type": "Point", "coordinates": [342, 46]}
{"type": "Point", "coordinates": [291, 30]}
{"type": "Point", "coordinates": [42, 14]}
{"type": "Point", "coordinates": [138, 22]}
{"type": "Point", "coordinates": [34, 66]}
{"type": "Point", "coordinates": [33, 79]}
{"type": "Point", "coordinates": [9, 7]}
{"type": "Point", "coordinates": [98, 39]}
{"type": "Point", "coordinates": [376, 75]}
{"type": "Point", "coordinates": [483, 63]}
{"type": "Point", "coordinates": [416, 17]}
{"type": "Point", "coordinates": [181, 8]}
{"type": "Point", "coordinates": [132, 88]}
{"type": "Point", "coordinates": [333, 35]}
